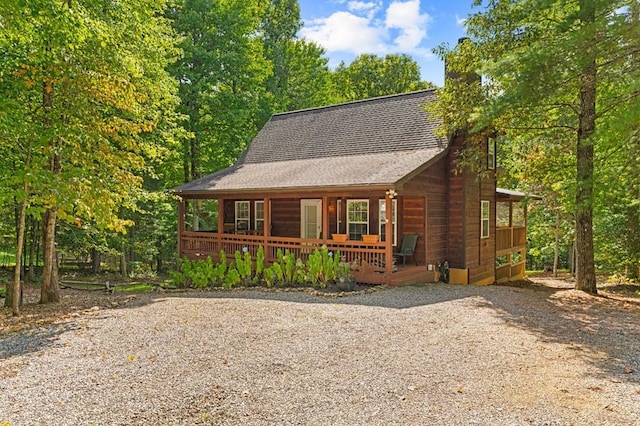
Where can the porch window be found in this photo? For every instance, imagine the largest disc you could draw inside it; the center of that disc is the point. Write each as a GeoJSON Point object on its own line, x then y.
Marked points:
{"type": "Point", "coordinates": [243, 216]}
{"type": "Point", "coordinates": [357, 218]}
{"type": "Point", "coordinates": [484, 219]}
{"type": "Point", "coordinates": [491, 154]}
{"type": "Point", "coordinates": [259, 217]}
{"type": "Point", "coordinates": [394, 222]}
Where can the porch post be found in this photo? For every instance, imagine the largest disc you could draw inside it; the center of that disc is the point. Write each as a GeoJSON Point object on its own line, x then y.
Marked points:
{"type": "Point", "coordinates": [267, 227]}
{"type": "Point", "coordinates": [325, 219]}
{"type": "Point", "coordinates": [388, 241]}
{"type": "Point", "coordinates": [180, 225]}
{"type": "Point", "coordinates": [220, 218]}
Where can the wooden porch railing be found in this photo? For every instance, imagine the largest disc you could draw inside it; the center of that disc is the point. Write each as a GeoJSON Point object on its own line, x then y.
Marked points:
{"type": "Point", "coordinates": [203, 244]}
{"type": "Point", "coordinates": [508, 237]}
{"type": "Point", "coordinates": [510, 272]}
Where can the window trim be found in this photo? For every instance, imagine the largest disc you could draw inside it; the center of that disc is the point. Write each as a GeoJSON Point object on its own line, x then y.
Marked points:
{"type": "Point", "coordinates": [394, 219]}
{"type": "Point", "coordinates": [485, 229]}
{"type": "Point", "coordinates": [257, 219]}
{"type": "Point", "coordinates": [237, 219]}
{"type": "Point", "coordinates": [349, 222]}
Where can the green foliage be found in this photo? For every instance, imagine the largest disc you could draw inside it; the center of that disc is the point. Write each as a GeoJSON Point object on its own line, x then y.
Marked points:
{"type": "Point", "coordinates": [232, 278]}
{"type": "Point", "coordinates": [369, 76]}
{"type": "Point", "coordinates": [259, 263]}
{"type": "Point", "coordinates": [323, 267]}
{"type": "Point", "coordinates": [273, 275]}
{"type": "Point", "coordinates": [244, 266]}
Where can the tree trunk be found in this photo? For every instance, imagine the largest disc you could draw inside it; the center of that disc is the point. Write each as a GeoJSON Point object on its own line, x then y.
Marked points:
{"type": "Point", "coordinates": [585, 275]}
{"type": "Point", "coordinates": [95, 261]}
{"type": "Point", "coordinates": [31, 274]}
{"type": "Point", "coordinates": [556, 245]}
{"type": "Point", "coordinates": [50, 290]}
{"type": "Point", "coordinates": [123, 262]}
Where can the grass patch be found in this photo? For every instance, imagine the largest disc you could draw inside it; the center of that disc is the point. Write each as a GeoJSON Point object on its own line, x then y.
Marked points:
{"type": "Point", "coordinates": [134, 288]}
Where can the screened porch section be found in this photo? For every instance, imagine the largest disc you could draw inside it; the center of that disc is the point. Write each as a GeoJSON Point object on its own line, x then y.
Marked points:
{"type": "Point", "coordinates": [511, 234]}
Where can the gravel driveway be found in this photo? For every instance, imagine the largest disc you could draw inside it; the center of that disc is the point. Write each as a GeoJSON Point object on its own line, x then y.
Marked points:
{"type": "Point", "coordinates": [420, 355]}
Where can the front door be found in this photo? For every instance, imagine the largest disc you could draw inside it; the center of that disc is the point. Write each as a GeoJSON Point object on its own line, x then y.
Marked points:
{"type": "Point", "coordinates": [310, 219]}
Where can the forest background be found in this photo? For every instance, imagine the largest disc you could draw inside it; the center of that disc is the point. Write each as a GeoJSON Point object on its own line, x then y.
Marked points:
{"type": "Point", "coordinates": [106, 106]}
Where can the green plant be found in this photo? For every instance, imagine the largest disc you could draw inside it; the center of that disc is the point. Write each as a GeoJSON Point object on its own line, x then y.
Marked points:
{"type": "Point", "coordinates": [232, 278]}
{"type": "Point", "coordinates": [273, 275]}
{"type": "Point", "coordinates": [259, 264]}
{"type": "Point", "coordinates": [244, 266]}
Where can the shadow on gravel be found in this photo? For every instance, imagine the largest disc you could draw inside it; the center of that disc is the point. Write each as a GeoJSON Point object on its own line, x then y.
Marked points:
{"type": "Point", "coordinates": [602, 331]}
{"type": "Point", "coordinates": [33, 340]}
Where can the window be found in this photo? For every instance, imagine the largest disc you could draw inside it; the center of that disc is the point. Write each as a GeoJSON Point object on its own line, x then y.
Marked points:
{"type": "Point", "coordinates": [484, 219]}
{"type": "Point", "coordinates": [357, 218]}
{"type": "Point", "coordinates": [338, 216]}
{"type": "Point", "coordinates": [394, 222]}
{"type": "Point", "coordinates": [491, 154]}
{"type": "Point", "coordinates": [242, 216]}
{"type": "Point", "coordinates": [259, 217]}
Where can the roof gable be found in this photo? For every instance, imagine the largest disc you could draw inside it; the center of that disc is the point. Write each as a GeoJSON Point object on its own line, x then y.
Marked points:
{"type": "Point", "coordinates": [378, 125]}
{"type": "Point", "coordinates": [374, 142]}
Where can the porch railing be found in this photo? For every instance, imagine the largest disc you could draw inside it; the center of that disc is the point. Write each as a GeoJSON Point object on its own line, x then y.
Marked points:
{"type": "Point", "coordinates": [510, 271]}
{"type": "Point", "coordinates": [203, 244]}
{"type": "Point", "coordinates": [507, 237]}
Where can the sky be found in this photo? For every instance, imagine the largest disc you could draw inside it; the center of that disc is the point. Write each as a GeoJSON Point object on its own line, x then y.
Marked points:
{"type": "Point", "coordinates": [348, 28]}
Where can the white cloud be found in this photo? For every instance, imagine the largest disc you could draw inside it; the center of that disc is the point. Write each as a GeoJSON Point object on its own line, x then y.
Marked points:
{"type": "Point", "coordinates": [460, 21]}
{"type": "Point", "coordinates": [362, 6]}
{"type": "Point", "coordinates": [345, 32]}
{"type": "Point", "coordinates": [406, 17]}
{"type": "Point", "coordinates": [367, 28]}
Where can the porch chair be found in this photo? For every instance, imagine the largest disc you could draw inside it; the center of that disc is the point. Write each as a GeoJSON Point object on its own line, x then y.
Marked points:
{"type": "Point", "coordinates": [408, 248]}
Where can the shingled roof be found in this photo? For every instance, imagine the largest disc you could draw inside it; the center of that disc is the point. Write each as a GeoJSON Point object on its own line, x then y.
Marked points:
{"type": "Point", "coordinates": [374, 142]}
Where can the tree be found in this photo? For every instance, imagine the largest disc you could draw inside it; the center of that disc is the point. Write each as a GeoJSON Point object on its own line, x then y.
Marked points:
{"type": "Point", "coordinates": [559, 70]}
{"type": "Point", "coordinates": [89, 86]}
{"type": "Point", "coordinates": [370, 76]}
{"type": "Point", "coordinates": [222, 73]}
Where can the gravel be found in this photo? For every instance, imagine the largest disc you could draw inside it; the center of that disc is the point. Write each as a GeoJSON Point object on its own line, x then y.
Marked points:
{"type": "Point", "coordinates": [428, 354]}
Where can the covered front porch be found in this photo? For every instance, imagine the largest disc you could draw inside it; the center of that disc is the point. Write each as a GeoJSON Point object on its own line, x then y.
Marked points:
{"type": "Point", "coordinates": [300, 223]}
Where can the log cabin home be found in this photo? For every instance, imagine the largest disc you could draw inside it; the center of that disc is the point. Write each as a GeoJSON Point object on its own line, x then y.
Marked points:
{"type": "Point", "coordinates": [359, 178]}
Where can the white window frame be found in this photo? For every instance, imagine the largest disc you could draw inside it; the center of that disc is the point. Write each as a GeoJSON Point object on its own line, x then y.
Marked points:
{"type": "Point", "coordinates": [491, 154]}
{"type": "Point", "coordinates": [349, 222]}
{"type": "Point", "coordinates": [485, 216]}
{"type": "Point", "coordinates": [239, 219]}
{"type": "Point", "coordinates": [394, 218]}
{"type": "Point", "coordinates": [338, 216]}
{"type": "Point", "coordinates": [258, 218]}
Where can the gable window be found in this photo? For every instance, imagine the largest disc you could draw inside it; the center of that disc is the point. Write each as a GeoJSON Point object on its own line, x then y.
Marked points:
{"type": "Point", "coordinates": [394, 222]}
{"type": "Point", "coordinates": [491, 154]}
{"type": "Point", "coordinates": [243, 216]}
{"type": "Point", "coordinates": [357, 218]}
{"type": "Point", "coordinates": [259, 217]}
{"type": "Point", "coordinates": [484, 219]}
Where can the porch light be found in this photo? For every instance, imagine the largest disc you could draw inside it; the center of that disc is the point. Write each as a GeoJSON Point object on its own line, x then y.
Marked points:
{"type": "Point", "coordinates": [391, 193]}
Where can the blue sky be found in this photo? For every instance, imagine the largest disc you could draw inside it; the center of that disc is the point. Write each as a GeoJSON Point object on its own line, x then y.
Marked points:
{"type": "Point", "coordinates": [348, 28]}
